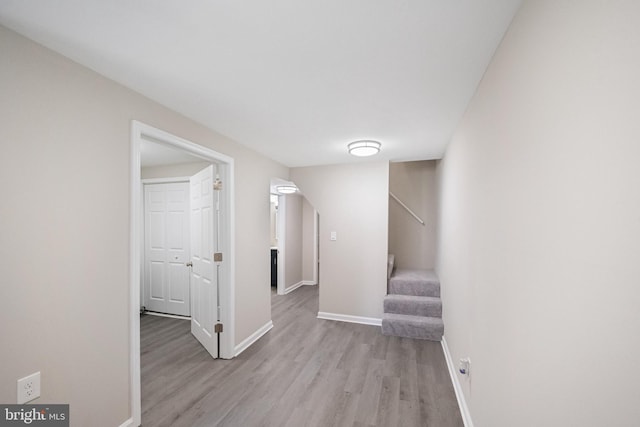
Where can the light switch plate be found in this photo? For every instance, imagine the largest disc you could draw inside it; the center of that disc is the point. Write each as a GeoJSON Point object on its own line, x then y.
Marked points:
{"type": "Point", "coordinates": [334, 235]}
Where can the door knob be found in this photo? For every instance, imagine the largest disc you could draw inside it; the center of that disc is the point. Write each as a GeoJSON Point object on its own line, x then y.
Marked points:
{"type": "Point", "coordinates": [189, 264]}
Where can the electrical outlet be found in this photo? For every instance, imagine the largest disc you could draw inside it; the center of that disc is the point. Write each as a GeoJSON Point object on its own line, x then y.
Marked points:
{"type": "Point", "coordinates": [29, 388]}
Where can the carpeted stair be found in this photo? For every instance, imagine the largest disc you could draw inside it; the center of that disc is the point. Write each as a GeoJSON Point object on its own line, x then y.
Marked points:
{"type": "Point", "coordinates": [413, 308]}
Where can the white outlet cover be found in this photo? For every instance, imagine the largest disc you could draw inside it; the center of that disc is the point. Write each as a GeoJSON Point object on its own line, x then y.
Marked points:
{"type": "Point", "coordinates": [29, 388]}
{"type": "Point", "coordinates": [334, 235]}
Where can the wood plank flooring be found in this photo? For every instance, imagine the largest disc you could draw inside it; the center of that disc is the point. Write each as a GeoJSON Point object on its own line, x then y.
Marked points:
{"type": "Point", "coordinates": [304, 372]}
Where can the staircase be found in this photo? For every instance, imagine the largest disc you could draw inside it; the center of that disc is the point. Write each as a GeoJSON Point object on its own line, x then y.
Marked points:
{"type": "Point", "coordinates": [413, 308]}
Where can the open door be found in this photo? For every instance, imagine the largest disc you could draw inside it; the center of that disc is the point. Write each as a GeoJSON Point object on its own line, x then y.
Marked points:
{"type": "Point", "coordinates": [204, 283]}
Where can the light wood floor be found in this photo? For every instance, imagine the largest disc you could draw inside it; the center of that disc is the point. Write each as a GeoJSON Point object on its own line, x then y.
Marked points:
{"type": "Point", "coordinates": [304, 372]}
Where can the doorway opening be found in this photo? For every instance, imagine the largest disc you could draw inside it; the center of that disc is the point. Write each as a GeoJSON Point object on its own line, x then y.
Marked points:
{"type": "Point", "coordinates": [294, 239]}
{"type": "Point", "coordinates": [166, 245]}
{"type": "Point", "coordinates": [214, 188]}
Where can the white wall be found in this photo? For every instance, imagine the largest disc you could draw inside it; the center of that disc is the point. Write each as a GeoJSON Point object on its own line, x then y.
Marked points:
{"type": "Point", "coordinates": [308, 242]}
{"type": "Point", "coordinates": [352, 200]}
{"type": "Point", "coordinates": [173, 171]}
{"type": "Point", "coordinates": [293, 240]}
{"type": "Point", "coordinates": [412, 243]}
{"type": "Point", "coordinates": [64, 228]}
{"type": "Point", "coordinates": [540, 222]}
{"type": "Point", "coordinates": [273, 215]}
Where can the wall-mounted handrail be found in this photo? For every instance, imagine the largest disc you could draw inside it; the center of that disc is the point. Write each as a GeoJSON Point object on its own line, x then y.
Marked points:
{"type": "Point", "coordinates": [406, 207]}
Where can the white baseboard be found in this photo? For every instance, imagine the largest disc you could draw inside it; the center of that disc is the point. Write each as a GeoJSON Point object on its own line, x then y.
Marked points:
{"type": "Point", "coordinates": [293, 287]}
{"type": "Point", "coordinates": [348, 318]}
{"type": "Point", "coordinates": [245, 344]}
{"type": "Point", "coordinates": [309, 283]}
{"type": "Point", "coordinates": [457, 387]}
{"type": "Point", "coordinates": [128, 423]}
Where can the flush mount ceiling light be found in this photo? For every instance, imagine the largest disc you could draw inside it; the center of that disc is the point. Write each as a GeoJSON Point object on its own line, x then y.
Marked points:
{"type": "Point", "coordinates": [364, 148]}
{"type": "Point", "coordinates": [286, 189]}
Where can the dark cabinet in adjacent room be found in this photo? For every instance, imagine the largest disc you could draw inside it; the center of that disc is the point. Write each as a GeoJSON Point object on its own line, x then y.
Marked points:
{"type": "Point", "coordinates": [274, 267]}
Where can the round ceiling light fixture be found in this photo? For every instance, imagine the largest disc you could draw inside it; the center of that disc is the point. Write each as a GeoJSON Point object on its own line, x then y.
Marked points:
{"type": "Point", "coordinates": [364, 148]}
{"type": "Point", "coordinates": [286, 189]}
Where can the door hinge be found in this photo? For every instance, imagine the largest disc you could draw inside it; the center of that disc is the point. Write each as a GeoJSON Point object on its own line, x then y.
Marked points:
{"type": "Point", "coordinates": [217, 257]}
{"type": "Point", "coordinates": [217, 328]}
{"type": "Point", "coordinates": [217, 184]}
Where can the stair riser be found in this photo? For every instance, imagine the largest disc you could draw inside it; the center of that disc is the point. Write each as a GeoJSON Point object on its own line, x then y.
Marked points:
{"type": "Point", "coordinates": [415, 289]}
{"type": "Point", "coordinates": [412, 330]}
{"type": "Point", "coordinates": [413, 308]}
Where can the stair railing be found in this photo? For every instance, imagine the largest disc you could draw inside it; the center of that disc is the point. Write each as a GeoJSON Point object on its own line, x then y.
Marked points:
{"type": "Point", "coordinates": [406, 207]}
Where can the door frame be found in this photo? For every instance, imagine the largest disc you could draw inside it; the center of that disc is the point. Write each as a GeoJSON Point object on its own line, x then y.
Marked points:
{"type": "Point", "coordinates": [316, 246]}
{"type": "Point", "coordinates": [140, 132]}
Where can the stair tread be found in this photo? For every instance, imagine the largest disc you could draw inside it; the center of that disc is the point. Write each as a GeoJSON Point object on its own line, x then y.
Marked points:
{"type": "Point", "coordinates": [414, 289]}
{"type": "Point", "coordinates": [417, 298]}
{"type": "Point", "coordinates": [414, 305]}
{"type": "Point", "coordinates": [414, 275]}
{"type": "Point", "coordinates": [415, 327]}
{"type": "Point", "coordinates": [414, 282]}
{"type": "Point", "coordinates": [412, 318]}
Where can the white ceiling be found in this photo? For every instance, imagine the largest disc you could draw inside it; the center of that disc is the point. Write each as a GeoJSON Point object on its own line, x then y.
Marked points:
{"type": "Point", "coordinates": [293, 79]}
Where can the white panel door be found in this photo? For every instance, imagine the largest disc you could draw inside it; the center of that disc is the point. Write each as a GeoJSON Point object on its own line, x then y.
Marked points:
{"type": "Point", "coordinates": [166, 275]}
{"type": "Point", "coordinates": [204, 304]}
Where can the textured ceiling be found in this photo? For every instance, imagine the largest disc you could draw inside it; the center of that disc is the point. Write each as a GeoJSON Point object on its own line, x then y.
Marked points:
{"type": "Point", "coordinates": [295, 80]}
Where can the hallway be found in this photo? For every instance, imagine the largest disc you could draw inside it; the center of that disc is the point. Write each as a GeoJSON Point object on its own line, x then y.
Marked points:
{"type": "Point", "coordinates": [305, 371]}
